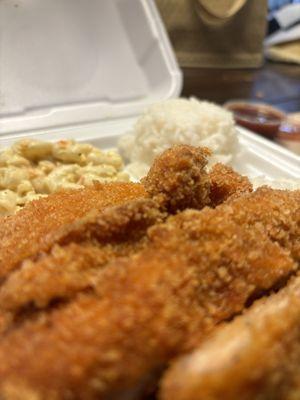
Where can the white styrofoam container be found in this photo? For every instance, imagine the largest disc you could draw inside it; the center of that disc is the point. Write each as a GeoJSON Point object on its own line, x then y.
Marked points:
{"type": "Point", "coordinates": [260, 156]}
{"type": "Point", "coordinates": [67, 63]}
{"type": "Point", "coordinates": [86, 69]}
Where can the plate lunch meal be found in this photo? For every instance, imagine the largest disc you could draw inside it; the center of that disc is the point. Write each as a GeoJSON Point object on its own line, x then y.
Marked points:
{"type": "Point", "coordinates": [180, 286]}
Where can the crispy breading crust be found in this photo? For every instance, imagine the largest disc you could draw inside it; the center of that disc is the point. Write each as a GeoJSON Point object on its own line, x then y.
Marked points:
{"type": "Point", "coordinates": [22, 235]}
{"type": "Point", "coordinates": [225, 182]}
{"type": "Point", "coordinates": [82, 249]}
{"type": "Point", "coordinates": [57, 275]}
{"type": "Point", "coordinates": [36, 227]}
{"type": "Point", "coordinates": [256, 356]}
{"type": "Point", "coordinates": [116, 224]}
{"type": "Point", "coordinates": [178, 179]}
{"type": "Point", "coordinates": [101, 235]}
{"type": "Point", "coordinates": [277, 211]}
{"type": "Point", "coordinates": [196, 271]}
{"type": "Point", "coordinates": [110, 334]}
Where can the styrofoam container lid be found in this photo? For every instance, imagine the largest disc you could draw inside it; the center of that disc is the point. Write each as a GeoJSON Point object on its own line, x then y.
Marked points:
{"type": "Point", "coordinates": [67, 63]}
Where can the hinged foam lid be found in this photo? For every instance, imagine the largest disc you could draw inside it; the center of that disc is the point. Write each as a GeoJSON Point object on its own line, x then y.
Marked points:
{"type": "Point", "coordinates": [65, 63]}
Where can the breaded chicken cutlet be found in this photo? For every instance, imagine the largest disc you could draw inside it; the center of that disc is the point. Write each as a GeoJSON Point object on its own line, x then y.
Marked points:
{"type": "Point", "coordinates": [79, 249]}
{"type": "Point", "coordinates": [72, 329]}
{"type": "Point", "coordinates": [74, 252]}
{"type": "Point", "coordinates": [197, 269]}
{"type": "Point", "coordinates": [187, 185]}
{"type": "Point", "coordinates": [34, 228]}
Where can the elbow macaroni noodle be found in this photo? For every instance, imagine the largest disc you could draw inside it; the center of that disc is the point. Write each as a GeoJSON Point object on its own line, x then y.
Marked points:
{"type": "Point", "coordinates": [31, 169]}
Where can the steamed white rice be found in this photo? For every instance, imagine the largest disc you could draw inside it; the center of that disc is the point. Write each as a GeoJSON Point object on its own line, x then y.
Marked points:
{"type": "Point", "coordinates": [179, 121]}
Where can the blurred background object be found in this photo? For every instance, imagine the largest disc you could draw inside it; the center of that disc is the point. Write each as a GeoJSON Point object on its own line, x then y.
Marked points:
{"type": "Point", "coordinates": [216, 12]}
{"type": "Point", "coordinates": [283, 38]}
{"type": "Point", "coordinates": [216, 33]}
{"type": "Point", "coordinates": [276, 4]}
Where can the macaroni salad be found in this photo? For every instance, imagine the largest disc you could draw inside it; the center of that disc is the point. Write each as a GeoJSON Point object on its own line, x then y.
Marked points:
{"type": "Point", "coordinates": [31, 169]}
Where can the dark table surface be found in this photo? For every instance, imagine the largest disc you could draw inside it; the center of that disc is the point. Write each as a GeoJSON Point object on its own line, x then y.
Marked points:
{"type": "Point", "coordinates": [274, 83]}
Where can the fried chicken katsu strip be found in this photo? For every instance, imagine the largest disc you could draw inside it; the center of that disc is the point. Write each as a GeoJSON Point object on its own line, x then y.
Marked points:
{"type": "Point", "coordinates": [22, 235]}
{"type": "Point", "coordinates": [177, 179]}
{"type": "Point", "coordinates": [198, 269]}
{"type": "Point", "coordinates": [112, 340]}
{"type": "Point", "coordinates": [35, 228]}
{"type": "Point", "coordinates": [113, 232]}
{"type": "Point", "coordinates": [118, 232]}
{"type": "Point", "coordinates": [257, 356]}
{"type": "Point", "coordinates": [83, 248]}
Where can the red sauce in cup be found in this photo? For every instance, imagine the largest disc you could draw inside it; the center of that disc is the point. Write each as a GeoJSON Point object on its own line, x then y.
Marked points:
{"type": "Point", "coordinates": [257, 117]}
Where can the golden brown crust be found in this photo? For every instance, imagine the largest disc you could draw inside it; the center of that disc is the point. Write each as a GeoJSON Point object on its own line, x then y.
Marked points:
{"type": "Point", "coordinates": [178, 179]}
{"type": "Point", "coordinates": [22, 235]}
{"type": "Point", "coordinates": [83, 248]}
{"type": "Point", "coordinates": [277, 211]}
{"type": "Point", "coordinates": [225, 182]}
{"type": "Point", "coordinates": [128, 221]}
{"type": "Point", "coordinates": [196, 271]}
{"type": "Point", "coordinates": [114, 329]}
{"type": "Point", "coordinates": [63, 216]}
{"type": "Point", "coordinates": [256, 356]}
{"type": "Point", "coordinates": [55, 276]}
